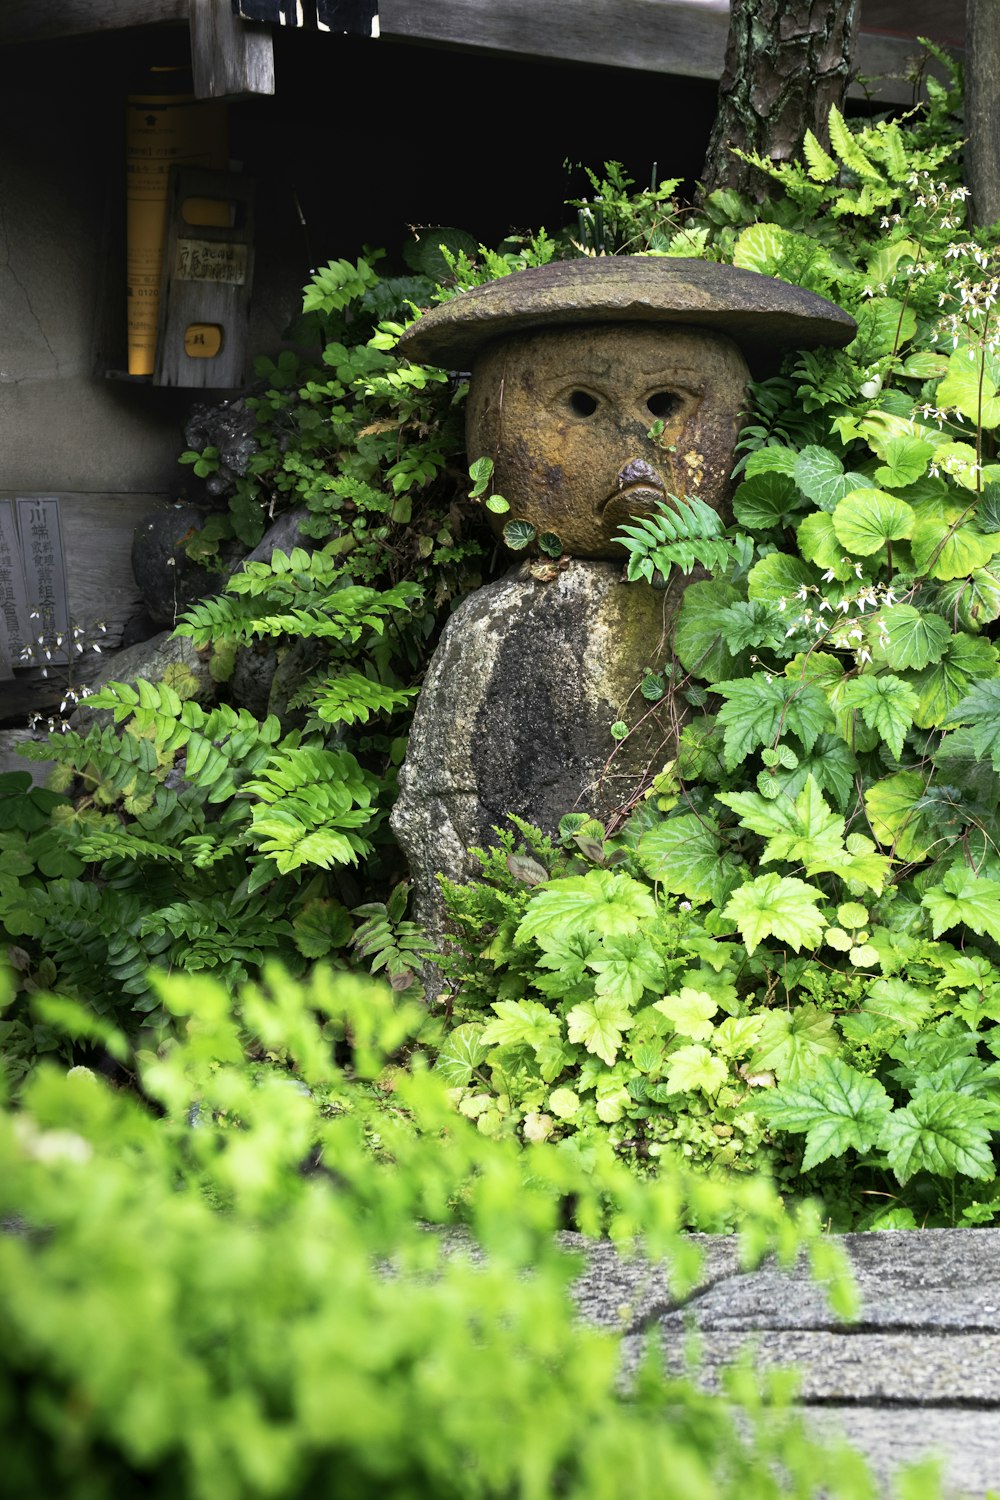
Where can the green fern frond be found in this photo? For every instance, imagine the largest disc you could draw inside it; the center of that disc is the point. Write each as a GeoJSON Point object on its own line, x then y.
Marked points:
{"type": "Point", "coordinates": [822, 168]}
{"type": "Point", "coordinates": [847, 148]}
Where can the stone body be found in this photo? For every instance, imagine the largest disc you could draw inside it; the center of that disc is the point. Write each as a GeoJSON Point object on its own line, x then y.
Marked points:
{"type": "Point", "coordinates": [516, 710]}
{"type": "Point", "coordinates": [590, 427]}
{"type": "Point", "coordinates": [575, 366]}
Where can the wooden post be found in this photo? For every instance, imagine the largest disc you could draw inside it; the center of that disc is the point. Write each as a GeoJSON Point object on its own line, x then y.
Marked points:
{"type": "Point", "coordinates": [230, 59]}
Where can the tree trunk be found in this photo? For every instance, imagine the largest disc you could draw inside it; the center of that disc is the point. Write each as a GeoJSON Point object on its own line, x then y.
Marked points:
{"type": "Point", "coordinates": [982, 108]}
{"type": "Point", "coordinates": [787, 62]}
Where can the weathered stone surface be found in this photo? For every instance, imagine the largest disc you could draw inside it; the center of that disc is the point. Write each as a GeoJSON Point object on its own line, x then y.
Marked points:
{"type": "Point", "coordinates": [516, 711]}
{"type": "Point", "coordinates": [150, 660]}
{"type": "Point", "coordinates": [10, 760]}
{"type": "Point", "coordinates": [758, 312]}
{"type": "Point", "coordinates": [916, 1375]}
{"type": "Point", "coordinates": [228, 426]}
{"type": "Point", "coordinates": [169, 581]}
{"type": "Point", "coordinates": [566, 416]}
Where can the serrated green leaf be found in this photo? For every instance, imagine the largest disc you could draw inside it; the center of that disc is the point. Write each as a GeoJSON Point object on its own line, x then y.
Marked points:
{"type": "Point", "coordinates": [887, 705]}
{"type": "Point", "coordinates": [943, 1133]}
{"type": "Point", "coordinates": [793, 1043]}
{"type": "Point", "coordinates": [905, 461]}
{"type": "Point", "coordinates": [912, 637]}
{"type": "Point", "coordinates": [970, 386]}
{"type": "Point", "coordinates": [687, 857]}
{"type": "Point", "coordinates": [837, 1108]}
{"type": "Point", "coordinates": [803, 831]}
{"type": "Point", "coordinates": [626, 967]}
{"type": "Point", "coordinates": [818, 544]}
{"type": "Point", "coordinates": [759, 711]}
{"type": "Point", "coordinates": [603, 902]}
{"type": "Point", "coordinates": [694, 1068]}
{"type": "Point", "coordinates": [980, 710]}
{"type": "Point", "coordinates": [964, 898]}
{"type": "Point", "coordinates": [525, 1023]}
{"type": "Point", "coordinates": [766, 501]}
{"type": "Point", "coordinates": [778, 576]}
{"type": "Point", "coordinates": [699, 634]}
{"type": "Point", "coordinates": [894, 818]}
{"type": "Point", "coordinates": [941, 687]}
{"type": "Point", "coordinates": [822, 168]}
{"type": "Point", "coordinates": [599, 1025]}
{"type": "Point", "coordinates": [463, 1050]}
{"type": "Point", "coordinates": [518, 535]}
{"type": "Point", "coordinates": [689, 1012]}
{"type": "Point", "coordinates": [820, 475]}
{"type": "Point", "coordinates": [777, 906]}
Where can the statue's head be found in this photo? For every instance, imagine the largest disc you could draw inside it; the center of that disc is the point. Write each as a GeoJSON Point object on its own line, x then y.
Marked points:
{"type": "Point", "coordinates": [600, 387]}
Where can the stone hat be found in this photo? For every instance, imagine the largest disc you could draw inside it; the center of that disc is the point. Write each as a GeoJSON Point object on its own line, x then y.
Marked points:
{"type": "Point", "coordinates": [759, 313]}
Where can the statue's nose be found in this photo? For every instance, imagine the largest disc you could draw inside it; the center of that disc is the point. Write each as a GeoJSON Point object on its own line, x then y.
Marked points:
{"type": "Point", "coordinates": [638, 471]}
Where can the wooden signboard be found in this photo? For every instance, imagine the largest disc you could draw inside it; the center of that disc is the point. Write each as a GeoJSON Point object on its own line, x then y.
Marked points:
{"type": "Point", "coordinates": [42, 559]}
{"type": "Point", "coordinates": [207, 277]}
{"type": "Point", "coordinates": [14, 626]}
{"type": "Point", "coordinates": [348, 17]}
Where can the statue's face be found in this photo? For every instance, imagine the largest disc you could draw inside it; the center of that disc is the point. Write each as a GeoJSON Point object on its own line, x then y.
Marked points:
{"type": "Point", "coordinates": [566, 417]}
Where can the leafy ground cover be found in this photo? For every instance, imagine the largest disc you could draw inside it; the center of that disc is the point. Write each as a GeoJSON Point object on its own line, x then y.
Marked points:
{"type": "Point", "coordinates": [782, 960]}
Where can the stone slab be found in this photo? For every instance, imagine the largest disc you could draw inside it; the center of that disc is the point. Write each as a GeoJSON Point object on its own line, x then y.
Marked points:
{"type": "Point", "coordinates": [917, 1375]}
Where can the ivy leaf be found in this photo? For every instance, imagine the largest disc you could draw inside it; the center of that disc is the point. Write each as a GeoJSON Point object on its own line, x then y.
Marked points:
{"type": "Point", "coordinates": [602, 901]}
{"type": "Point", "coordinates": [793, 1043]}
{"type": "Point", "coordinates": [964, 898]}
{"type": "Point", "coordinates": [766, 501]}
{"type": "Point", "coordinates": [944, 1133]}
{"type": "Point", "coordinates": [690, 1012]}
{"type": "Point", "coordinates": [836, 1107]}
{"type": "Point", "coordinates": [521, 1023]}
{"type": "Point", "coordinates": [887, 705]}
{"type": "Point", "coordinates": [626, 967]}
{"type": "Point", "coordinates": [599, 1025]}
{"type": "Point", "coordinates": [941, 687]}
{"type": "Point", "coordinates": [777, 906]}
{"type": "Point", "coordinates": [866, 519]}
{"type": "Point", "coordinates": [463, 1051]}
{"type": "Point", "coordinates": [914, 637]}
{"type": "Point", "coordinates": [692, 1068]}
{"type": "Point", "coordinates": [758, 711]}
{"type": "Point", "coordinates": [686, 856]}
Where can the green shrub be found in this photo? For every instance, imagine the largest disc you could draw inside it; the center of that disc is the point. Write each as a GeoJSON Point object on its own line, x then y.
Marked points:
{"type": "Point", "coordinates": [277, 1274]}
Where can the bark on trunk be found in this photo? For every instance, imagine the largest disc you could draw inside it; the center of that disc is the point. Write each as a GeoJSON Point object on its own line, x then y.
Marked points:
{"type": "Point", "coordinates": [982, 108]}
{"type": "Point", "coordinates": [787, 62]}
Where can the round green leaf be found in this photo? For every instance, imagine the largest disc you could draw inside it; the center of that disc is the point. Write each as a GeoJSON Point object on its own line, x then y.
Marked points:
{"type": "Point", "coordinates": [911, 638]}
{"type": "Point", "coordinates": [766, 501]}
{"type": "Point", "coordinates": [518, 535]}
{"type": "Point", "coordinates": [778, 576]}
{"type": "Point", "coordinates": [866, 519]}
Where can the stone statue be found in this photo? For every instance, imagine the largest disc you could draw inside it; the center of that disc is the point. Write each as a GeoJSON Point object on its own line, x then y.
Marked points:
{"type": "Point", "coordinates": [599, 388]}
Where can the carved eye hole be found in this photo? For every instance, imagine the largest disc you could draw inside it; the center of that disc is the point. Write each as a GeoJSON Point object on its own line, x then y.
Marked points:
{"type": "Point", "coordinates": [582, 403]}
{"type": "Point", "coordinates": [663, 404]}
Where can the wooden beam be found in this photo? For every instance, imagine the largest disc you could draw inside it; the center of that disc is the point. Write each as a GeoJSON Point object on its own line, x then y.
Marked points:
{"type": "Point", "coordinates": [230, 59]}
{"type": "Point", "coordinates": [41, 20]}
{"type": "Point", "coordinates": [685, 37]}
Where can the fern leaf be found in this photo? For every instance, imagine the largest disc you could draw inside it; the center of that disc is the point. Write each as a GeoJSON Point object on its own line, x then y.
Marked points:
{"type": "Point", "coordinates": [847, 148]}
{"type": "Point", "coordinates": [822, 168]}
